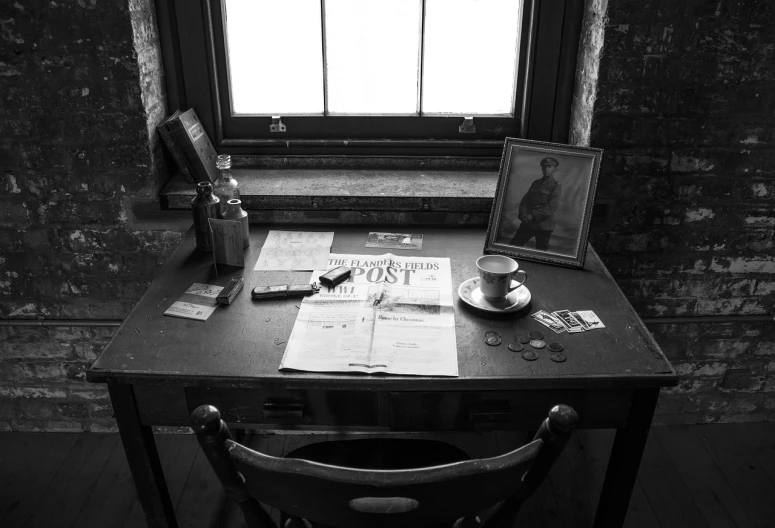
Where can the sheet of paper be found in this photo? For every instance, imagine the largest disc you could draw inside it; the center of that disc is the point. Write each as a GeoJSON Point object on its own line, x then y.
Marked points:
{"type": "Point", "coordinates": [394, 241]}
{"type": "Point", "coordinates": [394, 315]}
{"type": "Point", "coordinates": [295, 250]}
{"type": "Point", "coordinates": [198, 302]}
{"type": "Point", "coordinates": [296, 239]}
{"type": "Point", "coordinates": [227, 242]}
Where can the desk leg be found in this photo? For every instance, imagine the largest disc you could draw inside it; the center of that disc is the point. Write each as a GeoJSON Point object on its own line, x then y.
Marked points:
{"type": "Point", "coordinates": [143, 459]}
{"type": "Point", "coordinates": [624, 462]}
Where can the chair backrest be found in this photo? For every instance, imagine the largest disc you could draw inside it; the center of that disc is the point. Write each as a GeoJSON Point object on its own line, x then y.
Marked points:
{"type": "Point", "coordinates": [352, 498]}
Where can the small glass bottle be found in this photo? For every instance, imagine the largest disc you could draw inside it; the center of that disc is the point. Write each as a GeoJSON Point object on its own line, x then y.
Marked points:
{"type": "Point", "coordinates": [204, 206]}
{"type": "Point", "coordinates": [234, 211]}
{"type": "Point", "coordinates": [226, 187]}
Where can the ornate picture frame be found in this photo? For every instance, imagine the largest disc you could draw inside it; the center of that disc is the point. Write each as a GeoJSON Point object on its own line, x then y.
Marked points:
{"type": "Point", "coordinates": [543, 202]}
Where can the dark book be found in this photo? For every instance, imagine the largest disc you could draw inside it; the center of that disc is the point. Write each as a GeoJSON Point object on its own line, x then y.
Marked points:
{"type": "Point", "coordinates": [189, 135]}
{"type": "Point", "coordinates": [177, 154]}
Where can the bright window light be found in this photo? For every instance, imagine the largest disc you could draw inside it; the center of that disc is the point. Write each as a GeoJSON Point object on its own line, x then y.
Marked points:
{"type": "Point", "coordinates": [275, 58]}
{"type": "Point", "coordinates": [373, 57]}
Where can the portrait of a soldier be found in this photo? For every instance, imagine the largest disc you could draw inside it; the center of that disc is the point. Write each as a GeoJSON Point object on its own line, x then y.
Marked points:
{"type": "Point", "coordinates": [538, 207]}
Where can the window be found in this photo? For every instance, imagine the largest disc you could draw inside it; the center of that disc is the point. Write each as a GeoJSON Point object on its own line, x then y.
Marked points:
{"type": "Point", "coordinates": [372, 77]}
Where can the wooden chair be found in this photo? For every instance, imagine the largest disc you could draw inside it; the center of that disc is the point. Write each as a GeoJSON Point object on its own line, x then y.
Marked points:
{"type": "Point", "coordinates": [378, 483]}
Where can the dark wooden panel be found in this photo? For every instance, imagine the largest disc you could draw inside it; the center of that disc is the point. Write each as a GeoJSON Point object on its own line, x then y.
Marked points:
{"type": "Point", "coordinates": [288, 407]}
{"type": "Point", "coordinates": [161, 405]}
{"type": "Point", "coordinates": [437, 411]}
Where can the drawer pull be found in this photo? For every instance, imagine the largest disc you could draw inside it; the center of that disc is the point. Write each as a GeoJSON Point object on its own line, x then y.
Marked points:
{"type": "Point", "coordinates": [283, 409]}
{"type": "Point", "coordinates": [494, 413]}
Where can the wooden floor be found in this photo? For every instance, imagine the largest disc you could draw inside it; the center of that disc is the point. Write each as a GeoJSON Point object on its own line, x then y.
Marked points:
{"type": "Point", "coordinates": [691, 476]}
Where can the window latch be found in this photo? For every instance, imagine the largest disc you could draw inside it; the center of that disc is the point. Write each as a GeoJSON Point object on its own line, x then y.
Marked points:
{"type": "Point", "coordinates": [468, 126]}
{"type": "Point", "coordinates": [277, 124]}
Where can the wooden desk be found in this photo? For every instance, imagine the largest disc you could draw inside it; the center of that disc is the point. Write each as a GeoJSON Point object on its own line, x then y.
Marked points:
{"type": "Point", "coordinates": [160, 368]}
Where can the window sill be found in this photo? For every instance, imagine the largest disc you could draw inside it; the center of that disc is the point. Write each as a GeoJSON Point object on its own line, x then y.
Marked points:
{"type": "Point", "coordinates": [349, 195]}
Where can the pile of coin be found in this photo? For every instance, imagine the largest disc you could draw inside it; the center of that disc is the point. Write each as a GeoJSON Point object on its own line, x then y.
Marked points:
{"type": "Point", "coordinates": [536, 341]}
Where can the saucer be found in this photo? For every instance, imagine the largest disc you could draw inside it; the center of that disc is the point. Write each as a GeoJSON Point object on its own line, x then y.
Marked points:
{"type": "Point", "coordinates": [471, 294]}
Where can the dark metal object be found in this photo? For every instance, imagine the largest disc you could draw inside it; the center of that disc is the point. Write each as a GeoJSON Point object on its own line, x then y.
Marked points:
{"type": "Point", "coordinates": [555, 347]}
{"type": "Point", "coordinates": [558, 357]}
{"type": "Point", "coordinates": [535, 334]}
{"type": "Point", "coordinates": [283, 290]}
{"type": "Point", "coordinates": [230, 291]}
{"type": "Point", "coordinates": [537, 343]}
{"type": "Point", "coordinates": [489, 333]}
{"type": "Point", "coordinates": [529, 355]}
{"type": "Point", "coordinates": [516, 347]}
{"type": "Point", "coordinates": [493, 340]}
{"type": "Point", "coordinates": [335, 276]}
{"type": "Point", "coordinates": [522, 338]}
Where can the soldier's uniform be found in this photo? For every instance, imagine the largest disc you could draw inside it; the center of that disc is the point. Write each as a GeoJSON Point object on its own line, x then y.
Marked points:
{"type": "Point", "coordinates": [537, 209]}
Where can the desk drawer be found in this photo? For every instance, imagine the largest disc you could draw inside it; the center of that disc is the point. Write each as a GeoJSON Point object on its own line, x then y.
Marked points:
{"type": "Point", "coordinates": [282, 406]}
{"type": "Point", "coordinates": [521, 410]}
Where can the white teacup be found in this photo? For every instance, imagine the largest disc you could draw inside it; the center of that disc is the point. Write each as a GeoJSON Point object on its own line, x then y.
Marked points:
{"type": "Point", "coordinates": [496, 274]}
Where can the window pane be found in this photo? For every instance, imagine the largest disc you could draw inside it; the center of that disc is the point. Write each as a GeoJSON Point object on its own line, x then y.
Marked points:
{"type": "Point", "coordinates": [470, 56]}
{"type": "Point", "coordinates": [373, 56]}
{"type": "Point", "coordinates": [275, 56]}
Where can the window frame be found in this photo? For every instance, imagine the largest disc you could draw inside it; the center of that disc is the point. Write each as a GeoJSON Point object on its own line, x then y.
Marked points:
{"type": "Point", "coordinates": [191, 35]}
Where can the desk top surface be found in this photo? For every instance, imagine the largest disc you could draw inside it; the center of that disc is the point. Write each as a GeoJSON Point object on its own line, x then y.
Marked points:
{"type": "Point", "coordinates": [236, 345]}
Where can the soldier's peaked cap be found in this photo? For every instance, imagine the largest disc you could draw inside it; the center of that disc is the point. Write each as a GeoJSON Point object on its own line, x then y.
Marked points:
{"type": "Point", "coordinates": [550, 161]}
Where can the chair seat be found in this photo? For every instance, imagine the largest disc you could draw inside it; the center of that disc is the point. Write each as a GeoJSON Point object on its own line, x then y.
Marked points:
{"type": "Point", "coordinates": [381, 453]}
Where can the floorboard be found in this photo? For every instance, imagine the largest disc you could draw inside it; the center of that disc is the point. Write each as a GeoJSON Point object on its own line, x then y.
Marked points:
{"type": "Point", "coordinates": [176, 453]}
{"type": "Point", "coordinates": [719, 475]}
{"type": "Point", "coordinates": [113, 494]}
{"type": "Point", "coordinates": [750, 481]}
{"type": "Point", "coordinates": [670, 499]}
{"type": "Point", "coordinates": [714, 497]}
{"type": "Point", "coordinates": [74, 482]}
{"type": "Point", "coordinates": [596, 446]}
{"type": "Point", "coordinates": [30, 478]}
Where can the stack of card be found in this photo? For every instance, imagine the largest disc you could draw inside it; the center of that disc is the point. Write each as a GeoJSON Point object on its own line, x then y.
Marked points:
{"type": "Point", "coordinates": [567, 321]}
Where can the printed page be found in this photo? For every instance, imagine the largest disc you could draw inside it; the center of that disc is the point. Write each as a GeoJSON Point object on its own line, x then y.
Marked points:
{"type": "Point", "coordinates": [295, 250]}
{"type": "Point", "coordinates": [198, 302]}
{"type": "Point", "coordinates": [393, 315]}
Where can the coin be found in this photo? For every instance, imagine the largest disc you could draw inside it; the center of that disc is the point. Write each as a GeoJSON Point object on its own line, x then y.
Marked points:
{"type": "Point", "coordinates": [522, 338]}
{"type": "Point", "coordinates": [535, 334]}
{"type": "Point", "coordinates": [557, 356]}
{"type": "Point", "coordinates": [529, 355]}
{"type": "Point", "coordinates": [490, 333]}
{"type": "Point", "coordinates": [555, 347]}
{"type": "Point", "coordinates": [537, 343]}
{"type": "Point", "coordinates": [493, 340]}
{"type": "Point", "coordinates": [516, 347]}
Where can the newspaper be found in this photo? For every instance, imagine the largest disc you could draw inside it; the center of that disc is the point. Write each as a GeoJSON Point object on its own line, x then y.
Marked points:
{"type": "Point", "coordinates": [394, 315]}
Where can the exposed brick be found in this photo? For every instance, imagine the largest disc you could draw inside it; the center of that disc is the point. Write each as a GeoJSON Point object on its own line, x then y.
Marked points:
{"type": "Point", "coordinates": [24, 425]}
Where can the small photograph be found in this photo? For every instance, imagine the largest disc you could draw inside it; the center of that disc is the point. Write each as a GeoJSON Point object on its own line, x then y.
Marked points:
{"type": "Point", "coordinates": [394, 241]}
{"type": "Point", "coordinates": [543, 202]}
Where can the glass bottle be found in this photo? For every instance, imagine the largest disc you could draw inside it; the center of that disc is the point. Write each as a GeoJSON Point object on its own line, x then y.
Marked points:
{"type": "Point", "coordinates": [234, 211]}
{"type": "Point", "coordinates": [226, 187]}
{"type": "Point", "coordinates": [204, 206]}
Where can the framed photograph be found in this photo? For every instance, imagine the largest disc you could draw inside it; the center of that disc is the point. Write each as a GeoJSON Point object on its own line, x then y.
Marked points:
{"type": "Point", "coordinates": [543, 202]}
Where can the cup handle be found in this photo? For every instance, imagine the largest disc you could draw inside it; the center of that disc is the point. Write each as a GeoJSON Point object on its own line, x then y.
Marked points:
{"type": "Point", "coordinates": [518, 284]}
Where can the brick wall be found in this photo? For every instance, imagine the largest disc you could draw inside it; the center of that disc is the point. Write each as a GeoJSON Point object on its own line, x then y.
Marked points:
{"type": "Point", "coordinates": [81, 88]}
{"type": "Point", "coordinates": [684, 110]}
{"type": "Point", "coordinates": [686, 114]}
